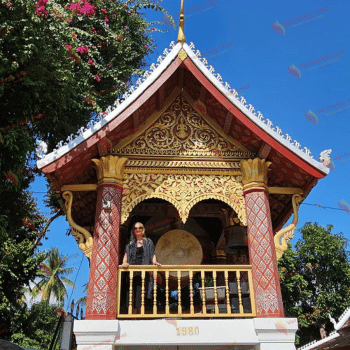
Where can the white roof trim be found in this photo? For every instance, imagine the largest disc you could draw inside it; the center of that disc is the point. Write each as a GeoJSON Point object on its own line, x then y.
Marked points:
{"type": "Point", "coordinates": [320, 342]}
{"type": "Point", "coordinates": [249, 110]}
{"type": "Point", "coordinates": [342, 319]}
{"type": "Point", "coordinates": [157, 69]}
{"type": "Point", "coordinates": [113, 111]}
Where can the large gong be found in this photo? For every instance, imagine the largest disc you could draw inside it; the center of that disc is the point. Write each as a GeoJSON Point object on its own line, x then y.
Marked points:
{"type": "Point", "coordinates": [178, 247]}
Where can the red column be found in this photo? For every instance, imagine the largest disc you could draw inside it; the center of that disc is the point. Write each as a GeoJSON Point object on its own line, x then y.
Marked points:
{"type": "Point", "coordinates": [262, 253]}
{"type": "Point", "coordinates": [103, 279]}
{"type": "Point", "coordinates": [102, 291]}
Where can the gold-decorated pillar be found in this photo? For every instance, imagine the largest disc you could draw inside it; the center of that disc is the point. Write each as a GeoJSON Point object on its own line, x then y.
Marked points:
{"type": "Point", "coordinates": [262, 252]}
{"type": "Point", "coordinates": [102, 289]}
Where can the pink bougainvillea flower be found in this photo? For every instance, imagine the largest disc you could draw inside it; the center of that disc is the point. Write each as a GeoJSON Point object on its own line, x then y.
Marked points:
{"type": "Point", "coordinates": [69, 20]}
{"type": "Point", "coordinates": [8, 4]}
{"type": "Point", "coordinates": [97, 78]}
{"type": "Point", "coordinates": [41, 10]}
{"type": "Point", "coordinates": [41, 3]}
{"type": "Point", "coordinates": [82, 49]}
{"type": "Point", "coordinates": [91, 62]}
{"type": "Point", "coordinates": [69, 47]}
{"type": "Point", "coordinates": [146, 47]}
{"type": "Point", "coordinates": [106, 19]}
{"type": "Point", "coordinates": [88, 9]}
{"type": "Point", "coordinates": [126, 6]}
{"type": "Point", "coordinates": [152, 28]}
{"type": "Point", "coordinates": [75, 6]}
{"type": "Point", "coordinates": [108, 64]}
{"type": "Point", "coordinates": [104, 10]}
{"type": "Point", "coordinates": [105, 113]}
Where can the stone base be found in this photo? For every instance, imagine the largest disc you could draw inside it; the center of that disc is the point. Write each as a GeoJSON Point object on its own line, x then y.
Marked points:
{"type": "Point", "coordinates": [187, 334]}
{"type": "Point", "coordinates": [276, 333]}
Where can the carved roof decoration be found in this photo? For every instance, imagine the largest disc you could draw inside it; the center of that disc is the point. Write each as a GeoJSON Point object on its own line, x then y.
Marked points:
{"type": "Point", "coordinates": [182, 131]}
{"type": "Point", "coordinates": [216, 79]}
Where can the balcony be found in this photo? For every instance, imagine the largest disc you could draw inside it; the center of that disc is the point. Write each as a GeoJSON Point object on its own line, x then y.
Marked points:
{"type": "Point", "coordinates": [196, 291]}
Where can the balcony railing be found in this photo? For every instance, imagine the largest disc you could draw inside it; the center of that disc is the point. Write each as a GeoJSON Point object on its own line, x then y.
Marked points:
{"type": "Point", "coordinates": [185, 291]}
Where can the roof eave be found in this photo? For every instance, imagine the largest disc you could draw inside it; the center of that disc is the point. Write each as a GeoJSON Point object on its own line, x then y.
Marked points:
{"type": "Point", "coordinates": [248, 111]}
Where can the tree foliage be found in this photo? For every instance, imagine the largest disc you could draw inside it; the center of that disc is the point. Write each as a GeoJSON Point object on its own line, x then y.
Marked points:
{"type": "Point", "coordinates": [37, 327]}
{"type": "Point", "coordinates": [61, 63]}
{"type": "Point", "coordinates": [18, 264]}
{"type": "Point", "coordinates": [52, 273]}
{"type": "Point", "coordinates": [315, 280]}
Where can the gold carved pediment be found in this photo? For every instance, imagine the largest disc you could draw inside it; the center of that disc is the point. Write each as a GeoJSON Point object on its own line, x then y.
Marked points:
{"type": "Point", "coordinates": [181, 131]}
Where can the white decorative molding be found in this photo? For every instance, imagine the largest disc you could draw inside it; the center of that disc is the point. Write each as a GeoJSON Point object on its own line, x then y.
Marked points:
{"type": "Point", "coordinates": [320, 342]}
{"type": "Point", "coordinates": [325, 154]}
{"type": "Point", "coordinates": [342, 319]}
{"type": "Point", "coordinates": [248, 109]}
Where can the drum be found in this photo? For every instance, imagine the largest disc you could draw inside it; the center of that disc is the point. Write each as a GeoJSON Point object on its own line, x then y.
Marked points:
{"type": "Point", "coordinates": [178, 247]}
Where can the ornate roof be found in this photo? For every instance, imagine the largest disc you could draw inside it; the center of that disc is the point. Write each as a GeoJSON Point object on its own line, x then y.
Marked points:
{"type": "Point", "coordinates": [150, 77]}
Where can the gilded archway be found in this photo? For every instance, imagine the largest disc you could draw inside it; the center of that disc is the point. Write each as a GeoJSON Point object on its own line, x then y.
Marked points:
{"type": "Point", "coordinates": [183, 191]}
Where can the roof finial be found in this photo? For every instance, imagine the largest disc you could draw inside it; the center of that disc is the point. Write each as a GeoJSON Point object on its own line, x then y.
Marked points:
{"type": "Point", "coordinates": [181, 35]}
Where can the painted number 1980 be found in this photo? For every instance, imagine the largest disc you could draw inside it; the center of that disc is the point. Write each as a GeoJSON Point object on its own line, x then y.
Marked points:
{"type": "Point", "coordinates": [187, 331]}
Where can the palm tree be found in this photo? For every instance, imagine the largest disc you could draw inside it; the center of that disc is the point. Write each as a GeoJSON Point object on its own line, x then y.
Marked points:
{"type": "Point", "coordinates": [52, 281]}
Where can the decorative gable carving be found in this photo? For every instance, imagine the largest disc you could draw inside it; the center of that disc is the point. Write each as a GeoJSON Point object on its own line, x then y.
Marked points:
{"type": "Point", "coordinates": [183, 132]}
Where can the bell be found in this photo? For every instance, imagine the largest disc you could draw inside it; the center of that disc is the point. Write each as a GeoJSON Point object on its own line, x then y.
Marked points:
{"type": "Point", "coordinates": [236, 239]}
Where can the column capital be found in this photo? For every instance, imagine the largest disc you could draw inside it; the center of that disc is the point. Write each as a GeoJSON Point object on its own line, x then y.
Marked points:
{"type": "Point", "coordinates": [254, 173]}
{"type": "Point", "coordinates": [110, 169]}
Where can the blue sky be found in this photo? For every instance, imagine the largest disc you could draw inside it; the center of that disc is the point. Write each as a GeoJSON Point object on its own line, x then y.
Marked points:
{"type": "Point", "coordinates": [252, 52]}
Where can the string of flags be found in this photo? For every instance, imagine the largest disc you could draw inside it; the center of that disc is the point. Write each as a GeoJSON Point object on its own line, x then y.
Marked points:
{"type": "Point", "coordinates": [343, 206]}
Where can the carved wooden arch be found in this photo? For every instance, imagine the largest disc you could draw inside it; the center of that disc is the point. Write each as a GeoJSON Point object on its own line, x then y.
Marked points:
{"type": "Point", "coordinates": [183, 191]}
{"type": "Point", "coordinates": [184, 214]}
{"type": "Point", "coordinates": [128, 210]}
{"type": "Point", "coordinates": [237, 204]}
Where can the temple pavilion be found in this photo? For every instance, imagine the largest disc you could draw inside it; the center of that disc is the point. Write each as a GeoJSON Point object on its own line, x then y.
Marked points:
{"type": "Point", "coordinates": [213, 182]}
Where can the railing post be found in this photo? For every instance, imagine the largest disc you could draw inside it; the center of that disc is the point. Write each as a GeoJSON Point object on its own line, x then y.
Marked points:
{"type": "Point", "coordinates": [251, 292]}
{"type": "Point", "coordinates": [191, 292]}
{"type": "Point", "coordinates": [238, 276]}
{"type": "Point", "coordinates": [131, 276]}
{"type": "Point", "coordinates": [167, 292]}
{"type": "Point", "coordinates": [204, 307]}
{"type": "Point", "coordinates": [179, 304]}
{"type": "Point", "coordinates": [155, 292]}
{"type": "Point", "coordinates": [215, 293]}
{"type": "Point", "coordinates": [143, 292]}
{"type": "Point", "coordinates": [228, 304]}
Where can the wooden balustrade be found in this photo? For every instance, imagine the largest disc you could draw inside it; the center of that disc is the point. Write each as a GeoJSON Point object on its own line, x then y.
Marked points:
{"type": "Point", "coordinates": [186, 291]}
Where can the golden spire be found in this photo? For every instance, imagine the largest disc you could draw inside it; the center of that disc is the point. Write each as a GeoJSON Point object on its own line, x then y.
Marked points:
{"type": "Point", "coordinates": [181, 35]}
